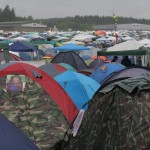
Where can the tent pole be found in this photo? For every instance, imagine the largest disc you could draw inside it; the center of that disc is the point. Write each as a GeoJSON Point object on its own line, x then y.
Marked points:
{"type": "Point", "coordinates": [135, 60]}
{"type": "Point", "coordinates": [142, 61]}
{"type": "Point", "coordinates": [148, 60]}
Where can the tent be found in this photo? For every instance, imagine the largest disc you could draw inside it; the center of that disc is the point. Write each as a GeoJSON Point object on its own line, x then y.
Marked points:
{"type": "Point", "coordinates": [11, 56]}
{"type": "Point", "coordinates": [95, 63]}
{"type": "Point", "coordinates": [40, 108]}
{"type": "Point", "coordinates": [71, 58]}
{"type": "Point", "coordinates": [132, 72]}
{"type": "Point", "coordinates": [105, 70]}
{"type": "Point", "coordinates": [100, 33]}
{"type": "Point", "coordinates": [86, 72]}
{"type": "Point", "coordinates": [78, 86]}
{"type": "Point", "coordinates": [19, 39]}
{"type": "Point", "coordinates": [67, 66]}
{"type": "Point", "coordinates": [71, 47]}
{"type": "Point", "coordinates": [73, 42]}
{"type": "Point", "coordinates": [126, 48]}
{"type": "Point", "coordinates": [21, 47]}
{"type": "Point", "coordinates": [52, 69]}
{"type": "Point", "coordinates": [11, 138]}
{"type": "Point", "coordinates": [117, 120]}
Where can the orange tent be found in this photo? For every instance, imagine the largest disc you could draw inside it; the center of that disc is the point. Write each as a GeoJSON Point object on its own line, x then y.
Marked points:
{"type": "Point", "coordinates": [101, 57]}
{"type": "Point", "coordinates": [100, 33]}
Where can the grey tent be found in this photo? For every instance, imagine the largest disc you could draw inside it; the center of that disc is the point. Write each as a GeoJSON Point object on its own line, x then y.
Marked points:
{"type": "Point", "coordinates": [118, 118]}
{"type": "Point", "coordinates": [131, 72]}
{"type": "Point", "coordinates": [71, 58]}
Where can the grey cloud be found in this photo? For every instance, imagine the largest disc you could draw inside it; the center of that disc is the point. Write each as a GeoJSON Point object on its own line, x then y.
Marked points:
{"type": "Point", "coordinates": [63, 8]}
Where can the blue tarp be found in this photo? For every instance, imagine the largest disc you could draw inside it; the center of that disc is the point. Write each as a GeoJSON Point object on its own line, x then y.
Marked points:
{"type": "Point", "coordinates": [21, 47]}
{"type": "Point", "coordinates": [11, 138]}
{"type": "Point", "coordinates": [70, 47]}
{"type": "Point", "coordinates": [104, 70]}
{"type": "Point", "coordinates": [78, 86]}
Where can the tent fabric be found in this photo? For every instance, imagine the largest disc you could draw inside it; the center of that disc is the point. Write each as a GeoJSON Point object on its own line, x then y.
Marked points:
{"type": "Point", "coordinates": [105, 70]}
{"type": "Point", "coordinates": [117, 120]}
{"type": "Point", "coordinates": [21, 47]}
{"type": "Point", "coordinates": [132, 72]}
{"type": "Point", "coordinates": [129, 84]}
{"type": "Point", "coordinates": [12, 57]}
{"type": "Point", "coordinates": [43, 111]}
{"type": "Point", "coordinates": [140, 51]}
{"type": "Point", "coordinates": [71, 47]}
{"type": "Point", "coordinates": [86, 72]}
{"type": "Point", "coordinates": [57, 93]}
{"type": "Point", "coordinates": [52, 69]}
{"type": "Point", "coordinates": [126, 48]}
{"type": "Point", "coordinates": [71, 58]}
{"type": "Point", "coordinates": [67, 66]}
{"type": "Point", "coordinates": [11, 138]}
{"type": "Point", "coordinates": [100, 33]}
{"type": "Point", "coordinates": [35, 113]}
{"type": "Point", "coordinates": [78, 86]}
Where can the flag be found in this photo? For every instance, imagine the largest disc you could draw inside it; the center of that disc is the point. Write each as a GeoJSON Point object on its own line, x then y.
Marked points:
{"type": "Point", "coordinates": [115, 17]}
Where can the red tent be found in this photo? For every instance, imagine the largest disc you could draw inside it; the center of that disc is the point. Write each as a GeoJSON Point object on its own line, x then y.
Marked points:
{"type": "Point", "coordinates": [46, 82]}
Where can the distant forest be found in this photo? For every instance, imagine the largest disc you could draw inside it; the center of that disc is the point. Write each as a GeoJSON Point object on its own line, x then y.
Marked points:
{"type": "Point", "coordinates": [75, 23]}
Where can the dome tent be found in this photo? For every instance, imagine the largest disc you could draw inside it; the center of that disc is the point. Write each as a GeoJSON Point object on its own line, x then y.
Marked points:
{"type": "Point", "coordinates": [131, 72]}
{"type": "Point", "coordinates": [117, 120]}
{"type": "Point", "coordinates": [71, 58]}
{"type": "Point", "coordinates": [52, 69]}
{"type": "Point", "coordinates": [41, 112]}
{"type": "Point", "coordinates": [67, 66]}
{"type": "Point", "coordinates": [78, 86]}
{"type": "Point", "coordinates": [105, 70]}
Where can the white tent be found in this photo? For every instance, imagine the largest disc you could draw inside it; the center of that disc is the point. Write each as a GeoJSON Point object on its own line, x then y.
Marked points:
{"type": "Point", "coordinates": [145, 42]}
{"type": "Point", "coordinates": [125, 46]}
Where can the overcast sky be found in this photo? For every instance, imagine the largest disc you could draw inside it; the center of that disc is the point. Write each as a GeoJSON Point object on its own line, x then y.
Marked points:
{"type": "Point", "coordinates": [64, 8]}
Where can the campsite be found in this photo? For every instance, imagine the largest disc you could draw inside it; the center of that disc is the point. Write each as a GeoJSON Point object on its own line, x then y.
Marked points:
{"type": "Point", "coordinates": [78, 82]}
{"type": "Point", "coordinates": [75, 94]}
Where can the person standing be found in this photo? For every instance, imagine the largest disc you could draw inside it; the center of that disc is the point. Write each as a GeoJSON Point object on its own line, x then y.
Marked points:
{"type": "Point", "coordinates": [115, 59]}
{"type": "Point", "coordinates": [126, 61]}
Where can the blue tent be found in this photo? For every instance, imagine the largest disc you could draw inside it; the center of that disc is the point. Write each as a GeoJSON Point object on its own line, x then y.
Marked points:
{"type": "Point", "coordinates": [71, 47]}
{"type": "Point", "coordinates": [21, 47]}
{"type": "Point", "coordinates": [11, 138]}
{"type": "Point", "coordinates": [104, 70]}
{"type": "Point", "coordinates": [78, 86]}
{"type": "Point", "coordinates": [25, 56]}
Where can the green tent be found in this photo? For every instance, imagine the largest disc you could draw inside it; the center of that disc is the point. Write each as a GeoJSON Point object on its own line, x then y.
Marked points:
{"type": "Point", "coordinates": [128, 48]}
{"type": "Point", "coordinates": [140, 51]}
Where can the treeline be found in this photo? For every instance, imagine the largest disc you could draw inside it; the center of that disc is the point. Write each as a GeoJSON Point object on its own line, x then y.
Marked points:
{"type": "Point", "coordinates": [86, 22]}
{"type": "Point", "coordinates": [75, 23]}
{"type": "Point", "coordinates": [8, 14]}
